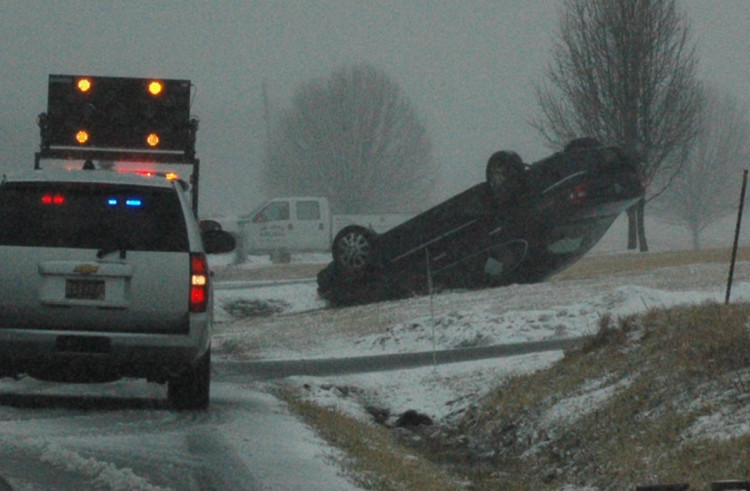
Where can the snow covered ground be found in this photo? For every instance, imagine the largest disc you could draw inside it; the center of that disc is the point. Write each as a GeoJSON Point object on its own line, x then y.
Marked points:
{"type": "Point", "coordinates": [518, 313]}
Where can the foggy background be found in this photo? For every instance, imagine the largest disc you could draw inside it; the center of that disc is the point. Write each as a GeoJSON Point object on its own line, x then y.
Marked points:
{"type": "Point", "coordinates": [466, 67]}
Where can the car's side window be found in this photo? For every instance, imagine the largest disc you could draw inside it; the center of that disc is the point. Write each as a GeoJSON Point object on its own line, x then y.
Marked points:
{"type": "Point", "coordinates": [278, 210]}
{"type": "Point", "coordinates": [308, 210]}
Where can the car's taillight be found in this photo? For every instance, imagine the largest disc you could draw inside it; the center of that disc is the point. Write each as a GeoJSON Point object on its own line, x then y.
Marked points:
{"type": "Point", "coordinates": [198, 282]}
{"type": "Point", "coordinates": [578, 195]}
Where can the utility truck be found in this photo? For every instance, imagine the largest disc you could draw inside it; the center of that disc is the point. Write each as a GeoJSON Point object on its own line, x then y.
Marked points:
{"type": "Point", "coordinates": [282, 226]}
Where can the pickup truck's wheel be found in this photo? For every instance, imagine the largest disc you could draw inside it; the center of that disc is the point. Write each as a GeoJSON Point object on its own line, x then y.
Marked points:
{"type": "Point", "coordinates": [191, 389]}
{"type": "Point", "coordinates": [354, 250]}
{"type": "Point", "coordinates": [505, 172]}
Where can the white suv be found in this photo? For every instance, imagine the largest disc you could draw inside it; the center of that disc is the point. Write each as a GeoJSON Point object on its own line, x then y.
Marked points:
{"type": "Point", "coordinates": [103, 276]}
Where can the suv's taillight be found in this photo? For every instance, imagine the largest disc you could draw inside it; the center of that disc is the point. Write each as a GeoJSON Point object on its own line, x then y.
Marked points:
{"type": "Point", "coordinates": [198, 282]}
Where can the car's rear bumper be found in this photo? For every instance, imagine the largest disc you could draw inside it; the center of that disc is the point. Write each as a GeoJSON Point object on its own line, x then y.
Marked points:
{"type": "Point", "coordinates": [86, 356]}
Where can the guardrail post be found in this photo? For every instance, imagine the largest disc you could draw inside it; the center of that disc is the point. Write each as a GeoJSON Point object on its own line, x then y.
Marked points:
{"type": "Point", "coordinates": [432, 303]}
{"type": "Point", "coordinates": [736, 237]}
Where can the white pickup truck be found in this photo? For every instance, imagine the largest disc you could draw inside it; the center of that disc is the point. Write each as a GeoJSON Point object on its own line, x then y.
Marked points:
{"type": "Point", "coordinates": [282, 226]}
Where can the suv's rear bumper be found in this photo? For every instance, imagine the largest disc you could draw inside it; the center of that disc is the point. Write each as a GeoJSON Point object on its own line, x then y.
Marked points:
{"type": "Point", "coordinates": [77, 356]}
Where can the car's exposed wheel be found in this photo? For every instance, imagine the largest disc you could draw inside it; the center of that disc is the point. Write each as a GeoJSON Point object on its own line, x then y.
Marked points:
{"type": "Point", "coordinates": [505, 172]}
{"type": "Point", "coordinates": [582, 143]}
{"type": "Point", "coordinates": [354, 250]}
{"type": "Point", "coordinates": [191, 389]}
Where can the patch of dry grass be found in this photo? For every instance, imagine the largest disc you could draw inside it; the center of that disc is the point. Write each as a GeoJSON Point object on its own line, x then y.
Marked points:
{"type": "Point", "coordinates": [662, 370]}
{"type": "Point", "coordinates": [373, 457]}
{"type": "Point", "coordinates": [639, 262]}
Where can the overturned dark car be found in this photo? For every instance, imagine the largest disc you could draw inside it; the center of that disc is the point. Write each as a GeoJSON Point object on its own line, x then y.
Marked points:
{"type": "Point", "coordinates": [522, 225]}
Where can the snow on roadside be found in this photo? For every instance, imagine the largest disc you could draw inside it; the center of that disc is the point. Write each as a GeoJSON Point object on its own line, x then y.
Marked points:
{"type": "Point", "coordinates": [295, 297]}
{"type": "Point", "coordinates": [592, 395]}
{"type": "Point", "coordinates": [460, 329]}
{"type": "Point", "coordinates": [441, 391]}
{"type": "Point", "coordinates": [444, 391]}
{"type": "Point", "coordinates": [730, 416]}
{"type": "Point", "coordinates": [474, 326]}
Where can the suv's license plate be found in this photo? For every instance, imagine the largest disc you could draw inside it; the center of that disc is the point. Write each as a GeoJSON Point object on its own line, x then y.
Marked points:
{"type": "Point", "coordinates": [84, 289]}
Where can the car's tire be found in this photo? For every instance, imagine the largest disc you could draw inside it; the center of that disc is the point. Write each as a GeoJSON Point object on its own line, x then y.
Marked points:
{"type": "Point", "coordinates": [191, 390]}
{"type": "Point", "coordinates": [582, 144]}
{"type": "Point", "coordinates": [505, 172]}
{"type": "Point", "coordinates": [354, 250]}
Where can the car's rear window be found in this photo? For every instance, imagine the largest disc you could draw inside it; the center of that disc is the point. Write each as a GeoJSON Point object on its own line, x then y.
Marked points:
{"type": "Point", "coordinates": [95, 216]}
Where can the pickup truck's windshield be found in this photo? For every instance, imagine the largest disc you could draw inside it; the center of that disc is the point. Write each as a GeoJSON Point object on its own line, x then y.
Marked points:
{"type": "Point", "coordinates": [91, 216]}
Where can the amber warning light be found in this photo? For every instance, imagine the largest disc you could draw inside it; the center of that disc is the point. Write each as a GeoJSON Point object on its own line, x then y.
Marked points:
{"type": "Point", "coordinates": [82, 137]}
{"type": "Point", "coordinates": [155, 87]}
{"type": "Point", "coordinates": [171, 176]}
{"type": "Point", "coordinates": [84, 84]}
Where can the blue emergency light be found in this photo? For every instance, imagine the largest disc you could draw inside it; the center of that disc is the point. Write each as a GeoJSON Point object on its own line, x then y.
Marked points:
{"type": "Point", "coordinates": [129, 202]}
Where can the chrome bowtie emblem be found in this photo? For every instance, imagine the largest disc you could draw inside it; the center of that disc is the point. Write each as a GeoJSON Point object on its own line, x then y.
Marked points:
{"type": "Point", "coordinates": [86, 269]}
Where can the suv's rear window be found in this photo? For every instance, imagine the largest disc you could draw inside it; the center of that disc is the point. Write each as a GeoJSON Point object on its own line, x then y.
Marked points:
{"type": "Point", "coordinates": [91, 216]}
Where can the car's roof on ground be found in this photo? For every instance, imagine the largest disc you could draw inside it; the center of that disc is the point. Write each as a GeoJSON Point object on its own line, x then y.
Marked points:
{"type": "Point", "coordinates": [88, 176]}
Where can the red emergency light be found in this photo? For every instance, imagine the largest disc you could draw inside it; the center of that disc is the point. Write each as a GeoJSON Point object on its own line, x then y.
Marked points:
{"type": "Point", "coordinates": [53, 199]}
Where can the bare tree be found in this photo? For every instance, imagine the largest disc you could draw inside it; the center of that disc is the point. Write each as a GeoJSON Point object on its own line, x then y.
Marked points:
{"type": "Point", "coordinates": [355, 139]}
{"type": "Point", "coordinates": [624, 72]}
{"type": "Point", "coordinates": [707, 186]}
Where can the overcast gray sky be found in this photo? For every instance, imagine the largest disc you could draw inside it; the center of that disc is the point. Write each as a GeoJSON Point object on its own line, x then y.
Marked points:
{"type": "Point", "coordinates": [466, 66]}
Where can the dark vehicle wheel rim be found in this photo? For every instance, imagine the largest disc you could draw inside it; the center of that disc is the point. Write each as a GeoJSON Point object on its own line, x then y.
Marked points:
{"type": "Point", "coordinates": [504, 172]}
{"type": "Point", "coordinates": [496, 176]}
{"type": "Point", "coordinates": [354, 251]}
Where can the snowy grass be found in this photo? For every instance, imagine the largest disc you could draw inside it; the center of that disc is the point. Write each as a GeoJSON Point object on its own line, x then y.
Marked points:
{"type": "Point", "coordinates": [637, 405]}
{"type": "Point", "coordinates": [638, 262]}
{"type": "Point", "coordinates": [376, 459]}
{"type": "Point", "coordinates": [661, 393]}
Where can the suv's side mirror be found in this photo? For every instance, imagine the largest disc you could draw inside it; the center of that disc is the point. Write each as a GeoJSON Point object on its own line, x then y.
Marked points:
{"type": "Point", "coordinates": [208, 225]}
{"type": "Point", "coordinates": [218, 241]}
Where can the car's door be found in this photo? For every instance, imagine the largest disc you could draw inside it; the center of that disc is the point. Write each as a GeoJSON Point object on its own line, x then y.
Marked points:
{"type": "Point", "coordinates": [269, 227]}
{"type": "Point", "coordinates": [308, 231]}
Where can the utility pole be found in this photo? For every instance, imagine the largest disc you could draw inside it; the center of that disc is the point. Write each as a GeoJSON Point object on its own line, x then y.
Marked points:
{"type": "Point", "coordinates": [266, 113]}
